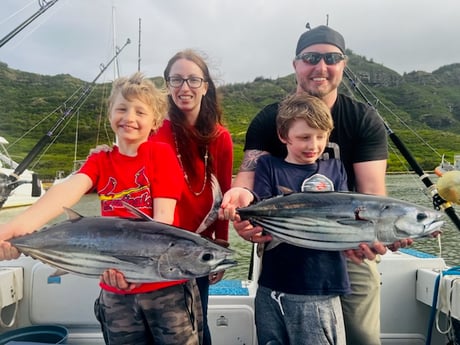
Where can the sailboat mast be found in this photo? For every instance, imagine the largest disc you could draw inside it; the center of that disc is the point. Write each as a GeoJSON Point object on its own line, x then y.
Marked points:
{"type": "Point", "coordinates": [116, 67]}
{"type": "Point", "coordinates": [139, 48]}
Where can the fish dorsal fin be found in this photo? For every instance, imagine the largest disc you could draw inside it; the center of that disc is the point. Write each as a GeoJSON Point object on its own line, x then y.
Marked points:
{"type": "Point", "coordinates": [71, 214]}
{"type": "Point", "coordinates": [214, 211]}
{"type": "Point", "coordinates": [285, 190]}
{"type": "Point", "coordinates": [272, 244]}
{"type": "Point", "coordinates": [136, 212]}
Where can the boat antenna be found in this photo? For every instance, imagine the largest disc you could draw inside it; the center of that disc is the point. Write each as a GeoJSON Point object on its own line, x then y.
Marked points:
{"type": "Point", "coordinates": [9, 183]}
{"type": "Point", "coordinates": [438, 202]}
{"type": "Point", "coordinates": [116, 67]}
{"type": "Point", "coordinates": [44, 5]}
{"type": "Point", "coordinates": [139, 48]}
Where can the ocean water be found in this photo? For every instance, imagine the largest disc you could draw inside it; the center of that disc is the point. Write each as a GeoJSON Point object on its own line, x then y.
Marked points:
{"type": "Point", "coordinates": [410, 188]}
{"type": "Point", "coordinates": [404, 187]}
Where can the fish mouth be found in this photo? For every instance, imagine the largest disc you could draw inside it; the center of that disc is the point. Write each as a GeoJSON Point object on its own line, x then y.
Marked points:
{"type": "Point", "coordinates": [224, 264]}
{"type": "Point", "coordinates": [434, 226]}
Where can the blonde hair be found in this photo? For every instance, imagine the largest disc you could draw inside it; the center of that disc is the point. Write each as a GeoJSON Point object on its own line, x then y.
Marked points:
{"type": "Point", "coordinates": [139, 87]}
{"type": "Point", "coordinates": [306, 107]}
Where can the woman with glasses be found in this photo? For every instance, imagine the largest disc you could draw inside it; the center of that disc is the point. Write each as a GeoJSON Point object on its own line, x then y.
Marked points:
{"type": "Point", "coordinates": [193, 127]}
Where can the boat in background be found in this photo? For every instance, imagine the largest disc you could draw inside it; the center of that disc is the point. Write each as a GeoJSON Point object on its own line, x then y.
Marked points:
{"type": "Point", "coordinates": [446, 166]}
{"type": "Point", "coordinates": [29, 188]}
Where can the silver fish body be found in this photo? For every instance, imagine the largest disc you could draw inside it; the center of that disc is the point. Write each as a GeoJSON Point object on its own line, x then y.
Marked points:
{"type": "Point", "coordinates": [145, 251]}
{"type": "Point", "coordinates": [340, 220]}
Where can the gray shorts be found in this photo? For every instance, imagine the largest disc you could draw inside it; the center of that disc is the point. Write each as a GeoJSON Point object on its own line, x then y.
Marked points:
{"type": "Point", "coordinates": [287, 319]}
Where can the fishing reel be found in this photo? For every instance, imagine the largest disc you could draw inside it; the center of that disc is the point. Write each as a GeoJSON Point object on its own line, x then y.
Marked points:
{"type": "Point", "coordinates": [448, 186]}
{"type": "Point", "coordinates": [9, 183]}
{"type": "Point", "coordinates": [5, 188]}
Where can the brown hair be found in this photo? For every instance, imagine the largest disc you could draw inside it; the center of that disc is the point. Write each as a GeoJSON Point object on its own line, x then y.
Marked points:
{"type": "Point", "coordinates": [138, 87]}
{"type": "Point", "coordinates": [303, 106]}
{"type": "Point", "coordinates": [209, 116]}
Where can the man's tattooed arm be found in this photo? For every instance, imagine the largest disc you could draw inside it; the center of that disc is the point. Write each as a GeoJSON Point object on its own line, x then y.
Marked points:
{"type": "Point", "coordinates": [250, 158]}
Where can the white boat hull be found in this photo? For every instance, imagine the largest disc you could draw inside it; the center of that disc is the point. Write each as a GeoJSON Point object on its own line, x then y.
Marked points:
{"type": "Point", "coordinates": [405, 309]}
{"type": "Point", "coordinates": [21, 195]}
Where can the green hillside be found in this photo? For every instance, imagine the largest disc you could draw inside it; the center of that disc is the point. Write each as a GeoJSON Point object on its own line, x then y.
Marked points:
{"type": "Point", "coordinates": [422, 108]}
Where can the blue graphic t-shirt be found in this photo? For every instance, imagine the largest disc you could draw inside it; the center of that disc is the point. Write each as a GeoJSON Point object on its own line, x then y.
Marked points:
{"type": "Point", "coordinates": [292, 269]}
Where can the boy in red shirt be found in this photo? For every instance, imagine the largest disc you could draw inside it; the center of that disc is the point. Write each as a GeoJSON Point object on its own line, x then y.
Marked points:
{"type": "Point", "coordinates": [147, 176]}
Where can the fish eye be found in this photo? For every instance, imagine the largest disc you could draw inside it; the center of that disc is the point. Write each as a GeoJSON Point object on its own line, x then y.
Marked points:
{"type": "Point", "coordinates": [421, 216]}
{"type": "Point", "coordinates": [207, 257]}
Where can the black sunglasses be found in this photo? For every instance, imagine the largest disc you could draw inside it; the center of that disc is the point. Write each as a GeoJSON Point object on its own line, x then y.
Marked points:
{"type": "Point", "coordinates": [313, 58]}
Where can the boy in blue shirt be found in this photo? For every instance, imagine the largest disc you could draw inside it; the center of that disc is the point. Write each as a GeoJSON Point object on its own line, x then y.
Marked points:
{"type": "Point", "coordinates": [298, 298]}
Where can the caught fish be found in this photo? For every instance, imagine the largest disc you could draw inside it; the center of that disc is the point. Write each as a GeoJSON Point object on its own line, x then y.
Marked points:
{"type": "Point", "coordinates": [142, 249]}
{"type": "Point", "coordinates": [340, 220]}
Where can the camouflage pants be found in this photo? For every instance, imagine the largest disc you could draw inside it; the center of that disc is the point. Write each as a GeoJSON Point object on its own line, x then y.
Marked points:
{"type": "Point", "coordinates": [168, 316]}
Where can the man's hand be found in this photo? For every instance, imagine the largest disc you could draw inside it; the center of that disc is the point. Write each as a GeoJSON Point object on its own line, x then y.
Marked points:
{"type": "Point", "coordinates": [401, 244]}
{"type": "Point", "coordinates": [100, 148]}
{"type": "Point", "coordinates": [365, 252]}
{"type": "Point", "coordinates": [249, 232]}
{"type": "Point", "coordinates": [216, 277]}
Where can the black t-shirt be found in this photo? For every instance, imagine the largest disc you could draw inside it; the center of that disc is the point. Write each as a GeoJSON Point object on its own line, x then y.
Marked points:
{"type": "Point", "coordinates": [359, 134]}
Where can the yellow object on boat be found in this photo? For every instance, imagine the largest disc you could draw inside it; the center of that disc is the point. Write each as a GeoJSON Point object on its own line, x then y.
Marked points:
{"type": "Point", "coordinates": [448, 186]}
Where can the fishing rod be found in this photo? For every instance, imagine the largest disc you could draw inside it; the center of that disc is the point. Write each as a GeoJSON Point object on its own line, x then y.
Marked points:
{"type": "Point", "coordinates": [9, 183]}
{"type": "Point", "coordinates": [44, 6]}
{"type": "Point", "coordinates": [438, 201]}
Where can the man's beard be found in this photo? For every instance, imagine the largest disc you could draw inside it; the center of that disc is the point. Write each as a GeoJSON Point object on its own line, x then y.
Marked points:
{"type": "Point", "coordinates": [317, 92]}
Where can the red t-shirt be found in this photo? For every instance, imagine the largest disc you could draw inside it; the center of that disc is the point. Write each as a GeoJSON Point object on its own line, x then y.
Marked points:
{"type": "Point", "coordinates": [153, 173]}
{"type": "Point", "coordinates": [193, 209]}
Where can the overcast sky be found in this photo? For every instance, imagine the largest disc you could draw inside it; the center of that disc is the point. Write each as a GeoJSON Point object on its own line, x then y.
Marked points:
{"type": "Point", "coordinates": [243, 39]}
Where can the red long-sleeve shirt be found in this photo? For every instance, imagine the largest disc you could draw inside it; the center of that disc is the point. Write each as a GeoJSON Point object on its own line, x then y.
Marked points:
{"type": "Point", "coordinates": [193, 209]}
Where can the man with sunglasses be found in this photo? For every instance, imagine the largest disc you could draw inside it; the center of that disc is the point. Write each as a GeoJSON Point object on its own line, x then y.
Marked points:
{"type": "Point", "coordinates": [358, 139]}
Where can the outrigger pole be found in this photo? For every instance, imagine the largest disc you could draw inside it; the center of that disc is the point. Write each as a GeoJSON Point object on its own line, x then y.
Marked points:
{"type": "Point", "coordinates": [44, 5]}
{"type": "Point", "coordinates": [438, 202]}
{"type": "Point", "coordinates": [9, 183]}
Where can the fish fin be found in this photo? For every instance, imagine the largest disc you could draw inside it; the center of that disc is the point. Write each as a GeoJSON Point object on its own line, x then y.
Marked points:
{"type": "Point", "coordinates": [58, 273]}
{"type": "Point", "coordinates": [272, 244]}
{"type": "Point", "coordinates": [214, 211]}
{"type": "Point", "coordinates": [136, 212]}
{"type": "Point", "coordinates": [71, 214]}
{"type": "Point", "coordinates": [285, 190]}
{"type": "Point", "coordinates": [357, 223]}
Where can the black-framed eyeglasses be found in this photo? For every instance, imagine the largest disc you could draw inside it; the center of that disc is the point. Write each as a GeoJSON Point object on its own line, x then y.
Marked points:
{"type": "Point", "coordinates": [313, 58]}
{"type": "Point", "coordinates": [192, 82]}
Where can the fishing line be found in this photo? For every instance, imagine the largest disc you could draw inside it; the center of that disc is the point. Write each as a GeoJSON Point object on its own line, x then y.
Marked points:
{"type": "Point", "coordinates": [399, 119]}
{"type": "Point", "coordinates": [9, 183]}
{"type": "Point", "coordinates": [53, 112]}
{"type": "Point", "coordinates": [438, 202]}
{"type": "Point", "coordinates": [44, 6]}
{"type": "Point", "coordinates": [16, 13]}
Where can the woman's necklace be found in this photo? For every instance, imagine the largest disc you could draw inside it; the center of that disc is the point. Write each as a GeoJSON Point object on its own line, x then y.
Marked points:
{"type": "Point", "coordinates": [185, 173]}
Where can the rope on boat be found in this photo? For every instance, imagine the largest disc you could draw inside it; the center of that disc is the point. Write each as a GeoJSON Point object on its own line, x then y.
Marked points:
{"type": "Point", "coordinates": [16, 306]}
{"type": "Point", "coordinates": [434, 315]}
